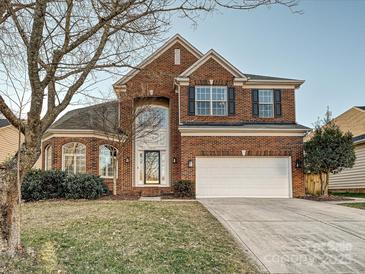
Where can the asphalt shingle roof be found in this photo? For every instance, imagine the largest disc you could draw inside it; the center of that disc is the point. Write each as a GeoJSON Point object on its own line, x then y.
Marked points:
{"type": "Point", "coordinates": [100, 117]}
{"type": "Point", "coordinates": [358, 138]}
{"type": "Point", "coordinates": [4, 123]}
{"type": "Point", "coordinates": [264, 77]}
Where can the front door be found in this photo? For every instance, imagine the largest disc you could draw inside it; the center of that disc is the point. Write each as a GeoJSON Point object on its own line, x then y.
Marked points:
{"type": "Point", "coordinates": [152, 167]}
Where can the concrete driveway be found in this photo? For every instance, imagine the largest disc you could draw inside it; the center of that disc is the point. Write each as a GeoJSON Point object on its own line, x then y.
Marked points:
{"type": "Point", "coordinates": [295, 236]}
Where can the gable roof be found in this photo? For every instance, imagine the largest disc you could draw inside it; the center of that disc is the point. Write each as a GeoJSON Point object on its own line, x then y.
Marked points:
{"type": "Point", "coordinates": [212, 54]}
{"type": "Point", "coordinates": [156, 54]}
{"type": "Point", "coordinates": [101, 117]}
{"type": "Point", "coordinates": [4, 123]}
{"type": "Point", "coordinates": [240, 76]}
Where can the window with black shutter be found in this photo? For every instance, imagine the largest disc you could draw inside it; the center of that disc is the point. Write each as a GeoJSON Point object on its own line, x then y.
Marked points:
{"type": "Point", "coordinates": [191, 103]}
{"type": "Point", "coordinates": [255, 102]}
{"type": "Point", "coordinates": [277, 102]}
{"type": "Point", "coordinates": [231, 101]}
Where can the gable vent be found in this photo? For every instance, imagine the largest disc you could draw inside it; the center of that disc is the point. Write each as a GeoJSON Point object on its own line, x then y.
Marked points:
{"type": "Point", "coordinates": [177, 57]}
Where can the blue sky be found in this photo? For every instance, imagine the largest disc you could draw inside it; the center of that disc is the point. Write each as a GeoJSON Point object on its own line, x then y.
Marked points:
{"type": "Point", "coordinates": [325, 47]}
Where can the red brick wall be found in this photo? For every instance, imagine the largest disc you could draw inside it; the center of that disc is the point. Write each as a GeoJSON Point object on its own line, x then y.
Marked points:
{"type": "Point", "coordinates": [193, 146]}
{"type": "Point", "coordinates": [158, 76]}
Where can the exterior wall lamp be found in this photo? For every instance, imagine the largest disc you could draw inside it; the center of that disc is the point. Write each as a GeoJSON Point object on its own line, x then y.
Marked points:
{"type": "Point", "coordinates": [127, 160]}
{"type": "Point", "coordinates": [174, 160]}
{"type": "Point", "coordinates": [190, 163]}
{"type": "Point", "coordinates": [298, 163]}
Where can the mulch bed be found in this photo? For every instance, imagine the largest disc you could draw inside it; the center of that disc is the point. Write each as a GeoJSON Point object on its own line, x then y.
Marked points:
{"type": "Point", "coordinates": [328, 198]}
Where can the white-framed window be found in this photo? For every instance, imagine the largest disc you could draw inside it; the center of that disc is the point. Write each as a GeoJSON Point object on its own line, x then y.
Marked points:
{"type": "Point", "coordinates": [74, 158]}
{"type": "Point", "coordinates": [177, 57]}
{"type": "Point", "coordinates": [108, 163]}
{"type": "Point", "coordinates": [48, 157]}
{"type": "Point", "coordinates": [266, 103]}
{"type": "Point", "coordinates": [211, 100]}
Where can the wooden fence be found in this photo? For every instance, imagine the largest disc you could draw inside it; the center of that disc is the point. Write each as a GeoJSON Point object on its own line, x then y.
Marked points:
{"type": "Point", "coordinates": [312, 183]}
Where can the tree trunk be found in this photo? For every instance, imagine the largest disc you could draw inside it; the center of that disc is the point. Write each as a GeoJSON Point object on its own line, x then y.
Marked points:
{"type": "Point", "coordinates": [10, 198]}
{"type": "Point", "coordinates": [10, 211]}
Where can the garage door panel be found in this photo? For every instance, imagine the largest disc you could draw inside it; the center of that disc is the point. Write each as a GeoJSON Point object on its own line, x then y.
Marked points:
{"type": "Point", "coordinates": [242, 177]}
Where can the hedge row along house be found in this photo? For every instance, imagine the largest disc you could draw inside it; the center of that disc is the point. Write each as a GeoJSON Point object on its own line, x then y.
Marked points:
{"type": "Point", "coordinates": [231, 133]}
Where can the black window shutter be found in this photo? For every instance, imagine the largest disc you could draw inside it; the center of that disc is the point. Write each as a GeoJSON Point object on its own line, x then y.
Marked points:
{"type": "Point", "coordinates": [277, 102]}
{"type": "Point", "coordinates": [231, 101]}
{"type": "Point", "coordinates": [255, 102]}
{"type": "Point", "coordinates": [191, 104]}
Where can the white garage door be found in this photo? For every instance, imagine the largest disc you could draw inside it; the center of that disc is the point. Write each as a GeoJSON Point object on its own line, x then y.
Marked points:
{"type": "Point", "coordinates": [243, 177]}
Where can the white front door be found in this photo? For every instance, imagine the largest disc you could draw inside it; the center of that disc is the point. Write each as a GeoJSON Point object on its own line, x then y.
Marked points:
{"type": "Point", "coordinates": [243, 177]}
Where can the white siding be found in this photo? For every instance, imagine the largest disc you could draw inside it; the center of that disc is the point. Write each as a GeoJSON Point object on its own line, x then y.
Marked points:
{"type": "Point", "coordinates": [352, 177]}
{"type": "Point", "coordinates": [9, 144]}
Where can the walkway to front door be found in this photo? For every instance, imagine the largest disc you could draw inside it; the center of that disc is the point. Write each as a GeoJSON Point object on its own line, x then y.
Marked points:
{"type": "Point", "coordinates": [295, 236]}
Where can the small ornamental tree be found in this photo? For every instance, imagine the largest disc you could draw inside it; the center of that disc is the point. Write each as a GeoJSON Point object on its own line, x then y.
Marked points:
{"type": "Point", "coordinates": [328, 151]}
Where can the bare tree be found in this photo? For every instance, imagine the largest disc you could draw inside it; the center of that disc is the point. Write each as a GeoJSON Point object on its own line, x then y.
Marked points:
{"type": "Point", "coordinates": [58, 48]}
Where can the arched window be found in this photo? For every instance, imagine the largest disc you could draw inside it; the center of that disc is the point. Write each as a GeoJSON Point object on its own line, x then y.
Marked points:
{"type": "Point", "coordinates": [48, 157]}
{"type": "Point", "coordinates": [108, 164]}
{"type": "Point", "coordinates": [74, 158]}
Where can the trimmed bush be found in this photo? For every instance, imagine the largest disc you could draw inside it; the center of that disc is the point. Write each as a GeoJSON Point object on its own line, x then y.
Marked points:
{"type": "Point", "coordinates": [84, 186]}
{"type": "Point", "coordinates": [183, 188]}
{"type": "Point", "coordinates": [42, 185]}
{"type": "Point", "coordinates": [52, 184]}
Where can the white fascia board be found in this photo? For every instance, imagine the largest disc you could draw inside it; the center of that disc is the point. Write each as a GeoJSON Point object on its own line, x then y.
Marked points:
{"type": "Point", "coordinates": [79, 133]}
{"type": "Point", "coordinates": [229, 131]}
{"type": "Point", "coordinates": [219, 59]}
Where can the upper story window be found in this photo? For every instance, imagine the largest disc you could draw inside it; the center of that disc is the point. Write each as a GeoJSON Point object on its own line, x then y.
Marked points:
{"type": "Point", "coordinates": [74, 158]}
{"type": "Point", "coordinates": [177, 57]}
{"type": "Point", "coordinates": [48, 157]}
{"type": "Point", "coordinates": [108, 164]}
{"type": "Point", "coordinates": [211, 100]}
{"type": "Point", "coordinates": [266, 103]}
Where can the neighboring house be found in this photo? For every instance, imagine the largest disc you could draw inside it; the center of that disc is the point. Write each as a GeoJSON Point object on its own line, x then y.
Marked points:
{"type": "Point", "coordinates": [233, 134]}
{"type": "Point", "coordinates": [8, 140]}
{"type": "Point", "coordinates": [9, 137]}
{"type": "Point", "coordinates": [352, 179]}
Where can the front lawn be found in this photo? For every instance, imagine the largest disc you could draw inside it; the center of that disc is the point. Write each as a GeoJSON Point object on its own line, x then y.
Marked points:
{"type": "Point", "coordinates": [349, 194]}
{"type": "Point", "coordinates": [355, 205]}
{"type": "Point", "coordinates": [124, 237]}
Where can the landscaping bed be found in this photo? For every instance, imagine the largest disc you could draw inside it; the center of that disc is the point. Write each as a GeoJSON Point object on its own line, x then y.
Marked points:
{"type": "Point", "coordinates": [124, 237]}
{"type": "Point", "coordinates": [326, 198]}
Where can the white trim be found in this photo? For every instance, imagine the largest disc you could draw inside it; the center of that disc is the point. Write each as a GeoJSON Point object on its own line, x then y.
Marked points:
{"type": "Point", "coordinates": [162, 148]}
{"type": "Point", "coordinates": [74, 155]}
{"type": "Point", "coordinates": [78, 133]}
{"type": "Point", "coordinates": [230, 131]}
{"type": "Point", "coordinates": [211, 101]}
{"type": "Point", "coordinates": [212, 54]}
{"type": "Point", "coordinates": [158, 53]}
{"type": "Point", "coordinates": [116, 159]}
{"type": "Point", "coordinates": [290, 175]}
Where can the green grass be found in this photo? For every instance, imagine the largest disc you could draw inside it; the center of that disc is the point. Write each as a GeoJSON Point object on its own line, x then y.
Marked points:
{"type": "Point", "coordinates": [355, 205]}
{"type": "Point", "coordinates": [349, 194]}
{"type": "Point", "coordinates": [124, 237]}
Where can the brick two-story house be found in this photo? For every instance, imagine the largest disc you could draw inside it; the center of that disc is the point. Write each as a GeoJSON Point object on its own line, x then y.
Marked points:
{"type": "Point", "coordinates": [233, 134]}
